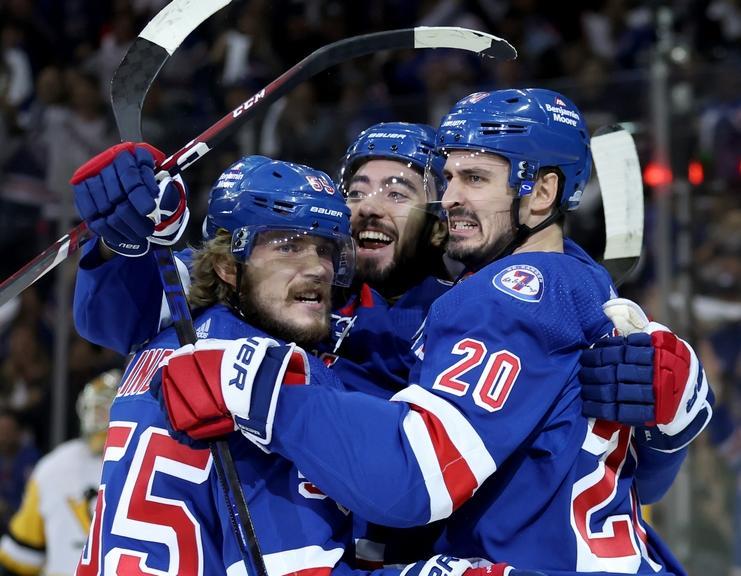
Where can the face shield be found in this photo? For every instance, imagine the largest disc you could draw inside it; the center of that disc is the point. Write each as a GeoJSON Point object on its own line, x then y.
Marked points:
{"type": "Point", "coordinates": [327, 255]}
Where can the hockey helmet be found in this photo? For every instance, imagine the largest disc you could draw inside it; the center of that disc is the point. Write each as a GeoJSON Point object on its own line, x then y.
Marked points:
{"type": "Point", "coordinates": [533, 128]}
{"type": "Point", "coordinates": [257, 194]}
{"type": "Point", "coordinates": [411, 144]}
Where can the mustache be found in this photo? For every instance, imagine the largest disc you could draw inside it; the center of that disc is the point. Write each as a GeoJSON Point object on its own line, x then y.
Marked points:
{"type": "Point", "coordinates": [324, 289]}
{"type": "Point", "coordinates": [376, 224]}
{"type": "Point", "coordinates": [460, 212]}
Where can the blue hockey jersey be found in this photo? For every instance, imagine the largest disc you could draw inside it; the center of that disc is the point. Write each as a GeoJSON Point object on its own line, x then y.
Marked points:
{"type": "Point", "coordinates": [160, 509]}
{"type": "Point", "coordinates": [490, 433]}
{"type": "Point", "coordinates": [370, 347]}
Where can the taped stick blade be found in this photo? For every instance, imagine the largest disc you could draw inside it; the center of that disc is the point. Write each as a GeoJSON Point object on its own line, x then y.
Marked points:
{"type": "Point", "coordinates": [621, 185]}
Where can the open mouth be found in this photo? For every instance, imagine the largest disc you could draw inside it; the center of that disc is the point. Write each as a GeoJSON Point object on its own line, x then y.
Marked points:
{"type": "Point", "coordinates": [461, 225]}
{"type": "Point", "coordinates": [309, 297]}
{"type": "Point", "coordinates": [373, 239]}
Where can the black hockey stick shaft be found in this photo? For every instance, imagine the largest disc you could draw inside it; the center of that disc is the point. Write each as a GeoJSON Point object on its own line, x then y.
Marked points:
{"type": "Point", "coordinates": [131, 82]}
{"type": "Point", "coordinates": [326, 57]}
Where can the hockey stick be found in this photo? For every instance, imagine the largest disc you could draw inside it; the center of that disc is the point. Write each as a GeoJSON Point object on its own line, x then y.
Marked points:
{"type": "Point", "coordinates": [621, 184]}
{"type": "Point", "coordinates": [122, 94]}
{"type": "Point", "coordinates": [316, 62]}
{"type": "Point", "coordinates": [129, 87]}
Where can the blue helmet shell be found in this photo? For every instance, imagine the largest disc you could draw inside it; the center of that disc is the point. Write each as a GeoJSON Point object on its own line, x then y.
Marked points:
{"type": "Point", "coordinates": [412, 144]}
{"type": "Point", "coordinates": [532, 128]}
{"type": "Point", "coordinates": [257, 194]}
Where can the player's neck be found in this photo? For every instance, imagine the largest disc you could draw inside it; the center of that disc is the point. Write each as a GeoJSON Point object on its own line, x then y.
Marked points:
{"type": "Point", "coordinates": [549, 239]}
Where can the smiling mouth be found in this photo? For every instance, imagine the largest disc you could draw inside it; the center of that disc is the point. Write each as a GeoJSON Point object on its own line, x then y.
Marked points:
{"type": "Point", "coordinates": [373, 239]}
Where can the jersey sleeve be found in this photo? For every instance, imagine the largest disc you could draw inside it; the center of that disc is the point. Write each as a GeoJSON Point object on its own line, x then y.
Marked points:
{"type": "Point", "coordinates": [23, 548]}
{"type": "Point", "coordinates": [486, 387]}
{"type": "Point", "coordinates": [118, 302]}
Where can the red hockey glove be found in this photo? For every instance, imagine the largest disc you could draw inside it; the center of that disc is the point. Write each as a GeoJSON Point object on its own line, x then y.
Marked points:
{"type": "Point", "coordinates": [211, 386]}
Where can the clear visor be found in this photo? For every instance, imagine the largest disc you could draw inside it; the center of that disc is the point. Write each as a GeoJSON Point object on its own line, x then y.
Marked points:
{"type": "Point", "coordinates": [327, 256]}
{"type": "Point", "coordinates": [394, 186]}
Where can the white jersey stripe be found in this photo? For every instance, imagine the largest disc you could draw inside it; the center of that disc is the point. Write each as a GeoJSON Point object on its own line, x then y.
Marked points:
{"type": "Point", "coordinates": [461, 433]}
{"type": "Point", "coordinates": [441, 504]}
{"type": "Point", "coordinates": [22, 554]}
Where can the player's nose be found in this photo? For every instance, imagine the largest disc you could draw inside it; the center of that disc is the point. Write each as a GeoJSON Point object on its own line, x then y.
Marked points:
{"type": "Point", "coordinates": [452, 196]}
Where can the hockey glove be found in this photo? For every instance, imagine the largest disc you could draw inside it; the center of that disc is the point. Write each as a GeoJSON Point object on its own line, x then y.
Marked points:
{"type": "Point", "coordinates": [216, 386]}
{"type": "Point", "coordinates": [122, 201]}
{"type": "Point", "coordinates": [647, 377]}
{"type": "Point", "coordinates": [442, 565]}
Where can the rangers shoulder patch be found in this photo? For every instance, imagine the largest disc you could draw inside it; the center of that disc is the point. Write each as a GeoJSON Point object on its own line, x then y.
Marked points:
{"type": "Point", "coordinates": [521, 281]}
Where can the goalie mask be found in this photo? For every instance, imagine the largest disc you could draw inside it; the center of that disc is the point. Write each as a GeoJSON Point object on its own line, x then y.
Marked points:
{"type": "Point", "coordinates": [93, 405]}
{"type": "Point", "coordinates": [257, 198]}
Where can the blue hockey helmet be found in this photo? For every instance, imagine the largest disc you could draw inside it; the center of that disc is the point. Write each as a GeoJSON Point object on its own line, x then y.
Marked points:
{"type": "Point", "coordinates": [532, 128]}
{"type": "Point", "coordinates": [411, 144]}
{"type": "Point", "coordinates": [257, 194]}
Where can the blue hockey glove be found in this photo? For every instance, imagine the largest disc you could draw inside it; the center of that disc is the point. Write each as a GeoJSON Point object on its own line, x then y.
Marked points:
{"type": "Point", "coordinates": [122, 201]}
{"type": "Point", "coordinates": [647, 378]}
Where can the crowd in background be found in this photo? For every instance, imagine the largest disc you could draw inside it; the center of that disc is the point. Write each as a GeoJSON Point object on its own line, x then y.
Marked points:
{"type": "Point", "coordinates": [57, 58]}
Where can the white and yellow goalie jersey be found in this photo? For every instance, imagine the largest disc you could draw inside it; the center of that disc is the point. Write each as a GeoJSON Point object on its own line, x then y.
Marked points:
{"type": "Point", "coordinates": [49, 530]}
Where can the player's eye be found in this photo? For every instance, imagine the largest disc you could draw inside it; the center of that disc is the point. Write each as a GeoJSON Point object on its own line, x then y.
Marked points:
{"type": "Point", "coordinates": [355, 195]}
{"type": "Point", "coordinates": [288, 247]}
{"type": "Point", "coordinates": [396, 196]}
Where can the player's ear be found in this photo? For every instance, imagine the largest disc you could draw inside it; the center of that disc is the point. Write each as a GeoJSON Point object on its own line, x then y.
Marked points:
{"type": "Point", "coordinates": [226, 269]}
{"type": "Point", "coordinates": [544, 193]}
{"type": "Point", "coordinates": [439, 233]}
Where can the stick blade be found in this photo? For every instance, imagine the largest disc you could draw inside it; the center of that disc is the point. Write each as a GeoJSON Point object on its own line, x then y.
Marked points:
{"type": "Point", "coordinates": [145, 57]}
{"type": "Point", "coordinates": [464, 39]}
{"type": "Point", "coordinates": [621, 184]}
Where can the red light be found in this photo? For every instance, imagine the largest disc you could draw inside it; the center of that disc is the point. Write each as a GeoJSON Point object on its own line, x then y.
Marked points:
{"type": "Point", "coordinates": [656, 174]}
{"type": "Point", "coordinates": [695, 173]}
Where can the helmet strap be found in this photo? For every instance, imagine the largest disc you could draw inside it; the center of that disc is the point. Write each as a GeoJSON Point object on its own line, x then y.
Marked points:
{"type": "Point", "coordinates": [523, 231]}
{"type": "Point", "coordinates": [235, 299]}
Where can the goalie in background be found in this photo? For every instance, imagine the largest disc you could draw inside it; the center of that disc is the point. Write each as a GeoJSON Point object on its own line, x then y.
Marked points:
{"type": "Point", "coordinates": [49, 530]}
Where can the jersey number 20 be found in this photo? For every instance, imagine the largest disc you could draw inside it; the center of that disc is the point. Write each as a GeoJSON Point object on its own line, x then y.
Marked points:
{"type": "Point", "coordinates": [497, 377]}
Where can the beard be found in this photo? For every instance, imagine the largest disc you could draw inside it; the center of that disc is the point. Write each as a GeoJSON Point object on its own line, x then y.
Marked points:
{"type": "Point", "coordinates": [477, 255]}
{"type": "Point", "coordinates": [255, 312]}
{"type": "Point", "coordinates": [414, 259]}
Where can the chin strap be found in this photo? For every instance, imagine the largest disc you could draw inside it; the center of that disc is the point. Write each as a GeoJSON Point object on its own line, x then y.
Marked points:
{"type": "Point", "coordinates": [234, 299]}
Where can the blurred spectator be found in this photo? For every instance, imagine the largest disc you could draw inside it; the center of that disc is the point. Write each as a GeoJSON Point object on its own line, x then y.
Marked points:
{"type": "Point", "coordinates": [24, 378]}
{"type": "Point", "coordinates": [75, 133]}
{"type": "Point", "coordinates": [243, 52]}
{"type": "Point", "coordinates": [113, 46]}
{"type": "Point", "coordinates": [17, 83]}
{"type": "Point", "coordinates": [49, 530]}
{"type": "Point", "coordinates": [18, 456]}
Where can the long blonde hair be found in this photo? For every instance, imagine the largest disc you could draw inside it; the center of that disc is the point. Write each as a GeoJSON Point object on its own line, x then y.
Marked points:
{"type": "Point", "coordinates": [207, 287]}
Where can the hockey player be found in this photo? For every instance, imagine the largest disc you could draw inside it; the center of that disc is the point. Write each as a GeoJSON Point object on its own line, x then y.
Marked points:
{"type": "Point", "coordinates": [49, 530]}
{"type": "Point", "coordinates": [490, 433]}
{"type": "Point", "coordinates": [277, 239]}
{"type": "Point", "coordinates": [399, 257]}
{"type": "Point", "coordinates": [117, 301]}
